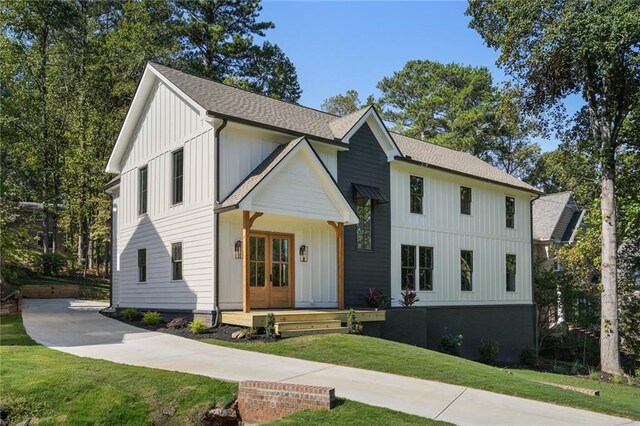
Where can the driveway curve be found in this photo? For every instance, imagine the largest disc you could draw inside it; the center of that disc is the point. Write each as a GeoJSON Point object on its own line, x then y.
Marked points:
{"type": "Point", "coordinates": [76, 327]}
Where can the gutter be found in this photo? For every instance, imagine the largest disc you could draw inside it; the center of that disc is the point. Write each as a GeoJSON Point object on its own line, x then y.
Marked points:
{"type": "Point", "coordinates": [216, 219]}
{"type": "Point", "coordinates": [533, 287]}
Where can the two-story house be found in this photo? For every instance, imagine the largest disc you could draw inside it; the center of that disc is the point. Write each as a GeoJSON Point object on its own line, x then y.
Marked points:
{"type": "Point", "coordinates": [226, 200]}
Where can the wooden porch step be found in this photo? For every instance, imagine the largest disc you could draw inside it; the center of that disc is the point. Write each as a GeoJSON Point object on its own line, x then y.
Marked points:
{"type": "Point", "coordinates": [307, 325]}
{"type": "Point", "coordinates": [303, 332]}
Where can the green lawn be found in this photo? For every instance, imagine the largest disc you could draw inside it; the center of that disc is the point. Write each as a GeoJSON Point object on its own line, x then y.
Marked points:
{"type": "Point", "coordinates": [55, 388]}
{"type": "Point", "coordinates": [397, 358]}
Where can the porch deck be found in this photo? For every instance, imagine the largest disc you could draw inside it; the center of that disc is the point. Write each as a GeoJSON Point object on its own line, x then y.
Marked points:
{"type": "Point", "coordinates": [257, 318]}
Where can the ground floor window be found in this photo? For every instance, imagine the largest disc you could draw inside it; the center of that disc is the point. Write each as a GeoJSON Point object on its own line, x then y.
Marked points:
{"type": "Point", "coordinates": [511, 272]}
{"type": "Point", "coordinates": [142, 265]}
{"type": "Point", "coordinates": [466, 270]}
{"type": "Point", "coordinates": [416, 264]}
{"type": "Point", "coordinates": [176, 261]}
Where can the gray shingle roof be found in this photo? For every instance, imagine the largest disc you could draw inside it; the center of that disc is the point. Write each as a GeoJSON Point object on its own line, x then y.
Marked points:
{"type": "Point", "coordinates": [259, 173]}
{"type": "Point", "coordinates": [243, 105]}
{"type": "Point", "coordinates": [547, 211]}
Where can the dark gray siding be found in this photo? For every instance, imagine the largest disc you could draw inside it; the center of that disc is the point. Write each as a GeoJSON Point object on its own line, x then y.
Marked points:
{"type": "Point", "coordinates": [512, 326]}
{"type": "Point", "coordinates": [366, 163]}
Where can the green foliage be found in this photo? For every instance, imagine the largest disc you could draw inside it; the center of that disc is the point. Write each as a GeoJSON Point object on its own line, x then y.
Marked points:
{"type": "Point", "coordinates": [353, 325]}
{"type": "Point", "coordinates": [451, 344]}
{"type": "Point", "coordinates": [151, 318]}
{"type": "Point", "coordinates": [198, 326]}
{"type": "Point", "coordinates": [270, 325]}
{"type": "Point", "coordinates": [52, 263]}
{"type": "Point", "coordinates": [130, 314]}
{"type": "Point", "coordinates": [344, 104]}
{"type": "Point", "coordinates": [377, 299]}
{"type": "Point", "coordinates": [528, 357]}
{"type": "Point", "coordinates": [488, 350]}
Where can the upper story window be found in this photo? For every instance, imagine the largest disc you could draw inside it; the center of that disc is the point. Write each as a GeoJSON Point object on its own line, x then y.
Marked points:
{"type": "Point", "coordinates": [178, 182]}
{"type": "Point", "coordinates": [142, 190]}
{"type": "Point", "coordinates": [176, 261]}
{"type": "Point", "coordinates": [511, 272]}
{"type": "Point", "coordinates": [409, 266]}
{"type": "Point", "coordinates": [40, 240]}
{"type": "Point", "coordinates": [466, 270]}
{"type": "Point", "coordinates": [465, 200]}
{"type": "Point", "coordinates": [364, 231]}
{"type": "Point", "coordinates": [416, 187]}
{"type": "Point", "coordinates": [510, 209]}
{"type": "Point", "coordinates": [142, 265]}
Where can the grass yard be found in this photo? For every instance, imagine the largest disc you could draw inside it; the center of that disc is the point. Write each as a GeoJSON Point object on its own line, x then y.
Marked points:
{"type": "Point", "coordinates": [397, 358]}
{"type": "Point", "coordinates": [55, 388]}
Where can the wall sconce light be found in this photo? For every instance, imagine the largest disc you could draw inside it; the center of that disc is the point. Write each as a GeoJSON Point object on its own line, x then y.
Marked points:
{"type": "Point", "coordinates": [303, 253]}
{"type": "Point", "coordinates": [237, 249]}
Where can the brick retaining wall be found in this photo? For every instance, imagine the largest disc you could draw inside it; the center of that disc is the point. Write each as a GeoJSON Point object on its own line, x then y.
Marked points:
{"type": "Point", "coordinates": [260, 402]}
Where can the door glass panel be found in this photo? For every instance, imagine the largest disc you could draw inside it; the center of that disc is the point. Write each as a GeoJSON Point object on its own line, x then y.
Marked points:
{"type": "Point", "coordinates": [279, 262]}
{"type": "Point", "coordinates": [257, 262]}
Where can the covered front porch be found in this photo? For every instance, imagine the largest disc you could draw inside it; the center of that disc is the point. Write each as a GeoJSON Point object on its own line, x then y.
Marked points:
{"type": "Point", "coordinates": [285, 226]}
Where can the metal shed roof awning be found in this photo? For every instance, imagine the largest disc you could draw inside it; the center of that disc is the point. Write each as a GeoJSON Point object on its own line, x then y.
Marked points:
{"type": "Point", "coordinates": [370, 192]}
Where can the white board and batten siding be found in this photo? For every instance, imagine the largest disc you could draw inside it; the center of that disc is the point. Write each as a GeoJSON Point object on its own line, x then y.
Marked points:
{"type": "Point", "coordinates": [315, 280]}
{"type": "Point", "coordinates": [442, 227]}
{"type": "Point", "coordinates": [168, 123]}
{"type": "Point", "coordinates": [243, 148]}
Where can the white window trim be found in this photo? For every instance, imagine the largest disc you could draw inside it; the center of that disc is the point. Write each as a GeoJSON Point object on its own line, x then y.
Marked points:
{"type": "Point", "coordinates": [171, 261]}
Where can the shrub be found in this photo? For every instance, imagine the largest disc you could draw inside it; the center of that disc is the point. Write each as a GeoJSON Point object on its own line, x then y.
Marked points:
{"type": "Point", "coordinates": [409, 298]}
{"type": "Point", "coordinates": [488, 350]}
{"type": "Point", "coordinates": [250, 333]}
{"type": "Point", "coordinates": [594, 374]}
{"type": "Point", "coordinates": [130, 314]}
{"type": "Point", "coordinates": [377, 299]}
{"type": "Point", "coordinates": [528, 357]}
{"type": "Point", "coordinates": [177, 323]}
{"type": "Point", "coordinates": [353, 325]}
{"type": "Point", "coordinates": [617, 379]}
{"type": "Point", "coordinates": [270, 325]}
{"type": "Point", "coordinates": [151, 318]}
{"type": "Point", "coordinates": [52, 263]}
{"type": "Point", "coordinates": [198, 326]}
{"type": "Point", "coordinates": [450, 344]}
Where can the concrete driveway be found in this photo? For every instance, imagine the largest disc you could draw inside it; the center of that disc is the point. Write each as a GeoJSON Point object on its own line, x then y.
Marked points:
{"type": "Point", "coordinates": [76, 327]}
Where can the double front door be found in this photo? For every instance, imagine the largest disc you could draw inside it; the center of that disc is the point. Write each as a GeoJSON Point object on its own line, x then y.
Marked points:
{"type": "Point", "coordinates": [270, 270]}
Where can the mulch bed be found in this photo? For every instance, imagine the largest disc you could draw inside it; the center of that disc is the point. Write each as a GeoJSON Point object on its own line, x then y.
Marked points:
{"type": "Point", "coordinates": [222, 332]}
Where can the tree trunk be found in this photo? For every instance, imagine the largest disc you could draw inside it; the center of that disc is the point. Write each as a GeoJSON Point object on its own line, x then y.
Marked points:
{"type": "Point", "coordinates": [609, 340]}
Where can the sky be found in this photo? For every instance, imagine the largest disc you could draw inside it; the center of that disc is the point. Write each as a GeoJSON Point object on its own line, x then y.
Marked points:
{"type": "Point", "coordinates": [342, 45]}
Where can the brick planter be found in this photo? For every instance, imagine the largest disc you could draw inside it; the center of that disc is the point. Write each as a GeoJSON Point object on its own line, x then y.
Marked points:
{"type": "Point", "coordinates": [260, 402]}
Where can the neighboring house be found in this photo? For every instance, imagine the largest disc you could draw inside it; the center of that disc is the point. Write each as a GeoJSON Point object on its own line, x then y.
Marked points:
{"type": "Point", "coordinates": [556, 222]}
{"type": "Point", "coordinates": [229, 200]}
{"type": "Point", "coordinates": [44, 235]}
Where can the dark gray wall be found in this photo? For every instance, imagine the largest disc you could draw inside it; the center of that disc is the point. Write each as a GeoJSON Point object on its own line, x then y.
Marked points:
{"type": "Point", "coordinates": [366, 163]}
{"type": "Point", "coordinates": [513, 327]}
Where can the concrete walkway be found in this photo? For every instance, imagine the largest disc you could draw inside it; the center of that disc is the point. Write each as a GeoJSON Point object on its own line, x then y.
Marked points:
{"type": "Point", "coordinates": [76, 327]}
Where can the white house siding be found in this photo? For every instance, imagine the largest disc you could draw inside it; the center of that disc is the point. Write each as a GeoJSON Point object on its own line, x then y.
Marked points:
{"type": "Point", "coordinates": [115, 261]}
{"type": "Point", "coordinates": [168, 123]}
{"type": "Point", "coordinates": [447, 231]}
{"type": "Point", "coordinates": [329, 157]}
{"type": "Point", "coordinates": [315, 280]}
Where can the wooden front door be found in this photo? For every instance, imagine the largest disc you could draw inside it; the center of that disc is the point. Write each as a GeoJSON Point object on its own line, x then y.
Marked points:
{"type": "Point", "coordinates": [270, 270]}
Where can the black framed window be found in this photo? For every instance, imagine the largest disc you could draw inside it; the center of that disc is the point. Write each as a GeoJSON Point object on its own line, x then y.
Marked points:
{"type": "Point", "coordinates": [142, 190]}
{"type": "Point", "coordinates": [416, 188]}
{"type": "Point", "coordinates": [511, 272]}
{"type": "Point", "coordinates": [364, 231]}
{"type": "Point", "coordinates": [510, 209]}
{"type": "Point", "coordinates": [40, 240]}
{"type": "Point", "coordinates": [176, 261]}
{"type": "Point", "coordinates": [408, 267]}
{"type": "Point", "coordinates": [142, 265]}
{"type": "Point", "coordinates": [178, 179]}
{"type": "Point", "coordinates": [425, 271]}
{"type": "Point", "coordinates": [465, 200]}
{"type": "Point", "coordinates": [466, 270]}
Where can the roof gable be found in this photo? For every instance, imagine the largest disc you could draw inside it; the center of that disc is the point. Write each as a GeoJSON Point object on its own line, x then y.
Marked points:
{"type": "Point", "coordinates": [292, 180]}
{"type": "Point", "coordinates": [548, 211]}
{"type": "Point", "coordinates": [371, 117]}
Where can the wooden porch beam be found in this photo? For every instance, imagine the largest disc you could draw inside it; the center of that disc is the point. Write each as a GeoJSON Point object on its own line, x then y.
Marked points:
{"type": "Point", "coordinates": [253, 218]}
{"type": "Point", "coordinates": [246, 229]}
{"type": "Point", "coordinates": [339, 228]}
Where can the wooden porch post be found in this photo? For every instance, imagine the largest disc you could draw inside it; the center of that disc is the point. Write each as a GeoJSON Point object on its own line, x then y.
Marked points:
{"type": "Point", "coordinates": [247, 222]}
{"type": "Point", "coordinates": [246, 228]}
{"type": "Point", "coordinates": [339, 228]}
